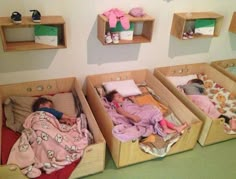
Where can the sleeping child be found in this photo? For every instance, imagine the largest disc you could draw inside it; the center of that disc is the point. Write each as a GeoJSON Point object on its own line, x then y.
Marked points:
{"type": "Point", "coordinates": [195, 90]}
{"type": "Point", "coordinates": [142, 114]}
{"type": "Point", "coordinates": [44, 104]}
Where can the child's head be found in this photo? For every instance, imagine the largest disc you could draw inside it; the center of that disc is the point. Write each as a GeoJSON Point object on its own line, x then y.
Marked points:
{"type": "Point", "coordinates": [114, 96]}
{"type": "Point", "coordinates": [41, 102]}
{"type": "Point", "coordinates": [196, 80]}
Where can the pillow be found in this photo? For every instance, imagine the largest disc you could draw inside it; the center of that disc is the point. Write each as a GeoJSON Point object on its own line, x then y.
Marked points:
{"type": "Point", "coordinates": [124, 87]}
{"type": "Point", "coordinates": [17, 108]}
{"type": "Point", "coordinates": [181, 80]}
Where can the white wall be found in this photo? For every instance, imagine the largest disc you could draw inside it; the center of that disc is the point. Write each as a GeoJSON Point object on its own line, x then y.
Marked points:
{"type": "Point", "coordinates": [85, 55]}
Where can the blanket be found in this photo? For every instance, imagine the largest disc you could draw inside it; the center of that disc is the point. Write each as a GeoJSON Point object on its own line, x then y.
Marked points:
{"type": "Point", "coordinates": [45, 144]}
{"type": "Point", "coordinates": [204, 103]}
{"type": "Point", "coordinates": [126, 130]}
{"type": "Point", "coordinates": [148, 99]}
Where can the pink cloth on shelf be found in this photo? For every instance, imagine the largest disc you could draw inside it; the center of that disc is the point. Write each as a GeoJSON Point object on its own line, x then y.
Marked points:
{"type": "Point", "coordinates": [204, 103]}
{"type": "Point", "coordinates": [115, 15]}
{"type": "Point", "coordinates": [45, 144]}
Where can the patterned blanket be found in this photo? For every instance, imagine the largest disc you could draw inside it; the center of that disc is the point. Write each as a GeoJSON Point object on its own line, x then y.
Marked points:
{"type": "Point", "coordinates": [45, 144]}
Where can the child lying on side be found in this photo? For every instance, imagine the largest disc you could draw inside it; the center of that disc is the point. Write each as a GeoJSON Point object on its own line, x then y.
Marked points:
{"type": "Point", "coordinates": [196, 92]}
{"type": "Point", "coordinates": [142, 114]}
{"type": "Point", "coordinates": [44, 104]}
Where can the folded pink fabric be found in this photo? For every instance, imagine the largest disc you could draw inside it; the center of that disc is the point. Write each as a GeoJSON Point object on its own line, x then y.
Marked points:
{"type": "Point", "coordinates": [136, 12]}
{"type": "Point", "coordinates": [114, 15]}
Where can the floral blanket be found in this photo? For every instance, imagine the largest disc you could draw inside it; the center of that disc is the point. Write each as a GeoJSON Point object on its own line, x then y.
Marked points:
{"type": "Point", "coordinates": [224, 100]}
{"type": "Point", "coordinates": [45, 144]}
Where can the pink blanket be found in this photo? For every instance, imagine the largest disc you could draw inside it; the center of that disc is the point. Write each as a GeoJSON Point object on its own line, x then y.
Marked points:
{"type": "Point", "coordinates": [204, 103]}
{"type": "Point", "coordinates": [45, 144]}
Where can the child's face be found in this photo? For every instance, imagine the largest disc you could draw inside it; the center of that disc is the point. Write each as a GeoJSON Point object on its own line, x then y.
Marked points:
{"type": "Point", "coordinates": [189, 82]}
{"type": "Point", "coordinates": [118, 98]}
{"type": "Point", "coordinates": [46, 105]}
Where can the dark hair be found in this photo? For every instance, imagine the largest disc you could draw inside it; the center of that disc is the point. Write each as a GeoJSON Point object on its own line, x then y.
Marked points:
{"type": "Point", "coordinates": [39, 101]}
{"type": "Point", "coordinates": [110, 96]}
{"type": "Point", "coordinates": [196, 80]}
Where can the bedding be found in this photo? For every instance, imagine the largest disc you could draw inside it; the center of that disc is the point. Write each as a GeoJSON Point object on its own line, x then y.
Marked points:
{"type": "Point", "coordinates": [93, 155]}
{"type": "Point", "coordinates": [125, 130]}
{"type": "Point", "coordinates": [17, 108]}
{"type": "Point", "coordinates": [181, 80]}
{"type": "Point", "coordinates": [124, 87]}
{"type": "Point", "coordinates": [222, 100]}
{"type": "Point", "coordinates": [33, 150]}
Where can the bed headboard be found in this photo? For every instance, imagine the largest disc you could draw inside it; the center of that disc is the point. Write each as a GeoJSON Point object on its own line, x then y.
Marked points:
{"type": "Point", "coordinates": [37, 88]}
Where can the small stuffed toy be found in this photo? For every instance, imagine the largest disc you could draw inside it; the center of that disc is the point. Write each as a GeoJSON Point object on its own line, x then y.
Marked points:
{"type": "Point", "coordinates": [136, 12]}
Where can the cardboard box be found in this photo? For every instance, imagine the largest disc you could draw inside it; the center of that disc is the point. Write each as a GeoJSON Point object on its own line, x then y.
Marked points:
{"type": "Point", "coordinates": [205, 26]}
{"type": "Point", "coordinates": [47, 35]}
{"type": "Point", "coordinates": [124, 34]}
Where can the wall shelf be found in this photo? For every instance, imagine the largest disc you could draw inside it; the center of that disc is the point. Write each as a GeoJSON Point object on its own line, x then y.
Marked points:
{"type": "Point", "coordinates": [180, 20]}
{"type": "Point", "coordinates": [6, 24]}
{"type": "Point", "coordinates": [144, 37]}
{"type": "Point", "coordinates": [232, 27]}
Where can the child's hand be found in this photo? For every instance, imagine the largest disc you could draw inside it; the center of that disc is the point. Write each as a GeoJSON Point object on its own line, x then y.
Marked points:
{"type": "Point", "coordinates": [72, 120]}
{"type": "Point", "coordinates": [132, 98]}
{"type": "Point", "coordinates": [136, 118]}
{"type": "Point", "coordinates": [69, 121]}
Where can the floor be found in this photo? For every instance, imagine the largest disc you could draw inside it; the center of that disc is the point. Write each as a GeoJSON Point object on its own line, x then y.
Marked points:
{"type": "Point", "coordinates": [217, 161]}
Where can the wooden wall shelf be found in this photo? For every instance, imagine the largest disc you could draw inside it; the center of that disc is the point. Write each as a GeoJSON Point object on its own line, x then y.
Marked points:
{"type": "Point", "coordinates": [144, 37]}
{"type": "Point", "coordinates": [181, 19]}
{"type": "Point", "coordinates": [232, 27]}
{"type": "Point", "coordinates": [56, 21]}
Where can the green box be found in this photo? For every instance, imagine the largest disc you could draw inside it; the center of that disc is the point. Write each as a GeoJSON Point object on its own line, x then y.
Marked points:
{"type": "Point", "coordinates": [205, 26]}
{"type": "Point", "coordinates": [119, 27]}
{"type": "Point", "coordinates": [45, 34]}
{"type": "Point", "coordinates": [205, 23]}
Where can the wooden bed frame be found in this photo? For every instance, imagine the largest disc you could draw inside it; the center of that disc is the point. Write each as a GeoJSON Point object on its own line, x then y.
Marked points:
{"type": "Point", "coordinates": [127, 153]}
{"type": "Point", "coordinates": [213, 129]}
{"type": "Point", "coordinates": [223, 64]}
{"type": "Point", "coordinates": [93, 160]}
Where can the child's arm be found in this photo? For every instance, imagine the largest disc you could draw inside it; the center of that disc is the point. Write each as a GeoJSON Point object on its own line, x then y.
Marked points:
{"type": "Point", "coordinates": [132, 98]}
{"type": "Point", "coordinates": [134, 118]}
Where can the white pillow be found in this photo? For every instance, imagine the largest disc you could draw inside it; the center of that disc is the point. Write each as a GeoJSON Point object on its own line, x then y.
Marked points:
{"type": "Point", "coordinates": [124, 87]}
{"type": "Point", "coordinates": [181, 80]}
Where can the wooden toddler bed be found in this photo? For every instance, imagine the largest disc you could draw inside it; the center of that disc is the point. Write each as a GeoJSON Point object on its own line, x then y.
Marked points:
{"type": "Point", "coordinates": [213, 128]}
{"type": "Point", "coordinates": [93, 159]}
{"type": "Point", "coordinates": [127, 153]}
{"type": "Point", "coordinates": [227, 67]}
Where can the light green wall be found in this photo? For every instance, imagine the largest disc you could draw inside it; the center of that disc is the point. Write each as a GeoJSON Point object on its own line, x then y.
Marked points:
{"type": "Point", "coordinates": [85, 55]}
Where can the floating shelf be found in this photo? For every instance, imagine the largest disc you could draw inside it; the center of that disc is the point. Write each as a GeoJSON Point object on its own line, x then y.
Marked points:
{"type": "Point", "coordinates": [6, 24]}
{"type": "Point", "coordinates": [181, 19]}
{"type": "Point", "coordinates": [144, 37]}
